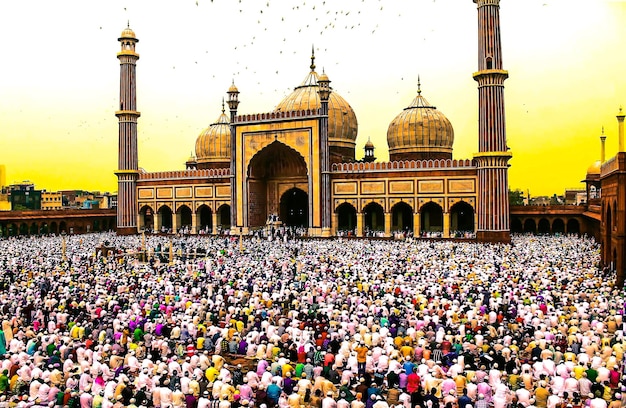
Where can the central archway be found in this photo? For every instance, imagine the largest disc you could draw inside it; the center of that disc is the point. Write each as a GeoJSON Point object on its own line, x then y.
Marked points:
{"type": "Point", "coordinates": [294, 208]}
{"type": "Point", "coordinates": [269, 171]}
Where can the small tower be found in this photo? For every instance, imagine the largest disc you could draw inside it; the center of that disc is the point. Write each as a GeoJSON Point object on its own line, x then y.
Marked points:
{"type": "Point", "coordinates": [127, 115]}
{"type": "Point", "coordinates": [493, 155]}
{"type": "Point", "coordinates": [324, 93]}
{"type": "Point", "coordinates": [369, 152]}
{"type": "Point", "coordinates": [233, 104]}
{"type": "Point", "coordinates": [602, 147]}
{"type": "Point", "coordinates": [620, 130]}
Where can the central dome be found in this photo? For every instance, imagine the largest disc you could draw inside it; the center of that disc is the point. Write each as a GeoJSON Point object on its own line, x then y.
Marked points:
{"type": "Point", "coordinates": [213, 144]}
{"type": "Point", "coordinates": [420, 132]}
{"type": "Point", "coordinates": [342, 123]}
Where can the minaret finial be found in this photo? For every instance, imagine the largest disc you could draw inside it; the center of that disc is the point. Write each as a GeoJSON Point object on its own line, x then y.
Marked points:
{"type": "Point", "coordinates": [223, 109]}
{"type": "Point", "coordinates": [127, 23]}
{"type": "Point", "coordinates": [312, 57]}
{"type": "Point", "coordinates": [419, 85]}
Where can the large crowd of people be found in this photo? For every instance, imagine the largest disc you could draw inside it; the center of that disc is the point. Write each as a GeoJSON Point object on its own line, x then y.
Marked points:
{"type": "Point", "coordinates": [214, 322]}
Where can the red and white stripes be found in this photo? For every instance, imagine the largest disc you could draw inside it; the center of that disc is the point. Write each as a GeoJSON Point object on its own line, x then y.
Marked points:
{"type": "Point", "coordinates": [492, 159]}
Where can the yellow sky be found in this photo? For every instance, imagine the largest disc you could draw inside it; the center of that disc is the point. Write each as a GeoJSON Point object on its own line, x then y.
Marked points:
{"type": "Point", "coordinates": [59, 86]}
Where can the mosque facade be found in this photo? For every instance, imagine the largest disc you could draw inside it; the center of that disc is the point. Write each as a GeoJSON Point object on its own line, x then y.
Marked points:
{"type": "Point", "coordinates": [295, 165]}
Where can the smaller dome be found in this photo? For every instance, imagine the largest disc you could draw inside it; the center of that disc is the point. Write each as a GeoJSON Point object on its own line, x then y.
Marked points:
{"type": "Point", "coordinates": [369, 144]}
{"type": "Point", "coordinates": [323, 77]}
{"type": "Point", "coordinates": [594, 168]}
{"type": "Point", "coordinates": [213, 144]}
{"type": "Point", "coordinates": [128, 33]}
{"type": "Point", "coordinates": [233, 88]}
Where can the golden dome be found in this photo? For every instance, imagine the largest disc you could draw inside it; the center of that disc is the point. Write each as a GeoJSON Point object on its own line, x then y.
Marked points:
{"type": "Point", "coordinates": [213, 144]}
{"type": "Point", "coordinates": [420, 132]}
{"type": "Point", "coordinates": [594, 168]}
{"type": "Point", "coordinates": [369, 144]}
{"type": "Point", "coordinates": [233, 88]}
{"type": "Point", "coordinates": [342, 123]}
{"type": "Point", "coordinates": [128, 33]}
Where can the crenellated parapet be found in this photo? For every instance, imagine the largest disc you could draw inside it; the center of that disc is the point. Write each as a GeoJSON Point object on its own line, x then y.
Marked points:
{"type": "Point", "coordinates": [185, 174]}
{"type": "Point", "coordinates": [403, 165]}
{"type": "Point", "coordinates": [278, 116]}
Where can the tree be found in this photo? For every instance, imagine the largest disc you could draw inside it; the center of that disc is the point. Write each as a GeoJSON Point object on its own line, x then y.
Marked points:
{"type": "Point", "coordinates": [516, 197]}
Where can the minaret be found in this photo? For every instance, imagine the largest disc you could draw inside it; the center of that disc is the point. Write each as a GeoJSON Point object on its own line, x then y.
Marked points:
{"type": "Point", "coordinates": [324, 92]}
{"type": "Point", "coordinates": [602, 147]}
{"type": "Point", "coordinates": [127, 165]}
{"type": "Point", "coordinates": [620, 130]}
{"type": "Point", "coordinates": [492, 159]}
{"type": "Point", "coordinates": [233, 103]}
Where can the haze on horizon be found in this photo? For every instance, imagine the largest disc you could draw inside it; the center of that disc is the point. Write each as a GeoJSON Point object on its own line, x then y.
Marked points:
{"type": "Point", "coordinates": [60, 82]}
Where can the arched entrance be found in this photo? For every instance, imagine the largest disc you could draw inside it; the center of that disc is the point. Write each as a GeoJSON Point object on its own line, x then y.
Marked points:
{"type": "Point", "coordinates": [530, 226]}
{"type": "Point", "coordinates": [13, 230]}
{"type": "Point", "coordinates": [53, 228]}
{"type": "Point", "coordinates": [431, 218]}
{"type": "Point", "coordinates": [146, 216]}
{"type": "Point", "coordinates": [294, 208]}
{"type": "Point", "coordinates": [558, 226]}
{"type": "Point", "coordinates": [205, 218]}
{"type": "Point", "coordinates": [34, 229]}
{"type": "Point", "coordinates": [23, 229]}
{"type": "Point", "coordinates": [271, 168]}
{"type": "Point", "coordinates": [516, 225]}
{"type": "Point", "coordinates": [346, 219]}
{"type": "Point", "coordinates": [462, 217]}
{"type": "Point", "coordinates": [402, 217]}
{"type": "Point", "coordinates": [184, 223]}
{"type": "Point", "coordinates": [543, 227]}
{"type": "Point", "coordinates": [223, 214]}
{"type": "Point", "coordinates": [573, 227]}
{"type": "Point", "coordinates": [374, 217]}
{"type": "Point", "coordinates": [44, 228]}
{"type": "Point", "coordinates": [165, 213]}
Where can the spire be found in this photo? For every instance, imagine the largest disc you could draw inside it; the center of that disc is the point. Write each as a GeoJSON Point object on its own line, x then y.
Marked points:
{"type": "Point", "coordinates": [312, 58]}
{"type": "Point", "coordinates": [419, 85]}
{"type": "Point", "coordinates": [223, 109]}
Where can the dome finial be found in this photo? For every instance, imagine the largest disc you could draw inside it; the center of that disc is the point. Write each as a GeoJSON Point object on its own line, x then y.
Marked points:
{"type": "Point", "coordinates": [419, 85]}
{"type": "Point", "coordinates": [127, 23]}
{"type": "Point", "coordinates": [312, 58]}
{"type": "Point", "coordinates": [223, 109]}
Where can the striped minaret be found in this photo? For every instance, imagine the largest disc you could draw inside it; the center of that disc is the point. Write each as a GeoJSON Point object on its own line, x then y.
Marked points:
{"type": "Point", "coordinates": [127, 172]}
{"type": "Point", "coordinates": [326, 204]}
{"type": "Point", "coordinates": [492, 159]}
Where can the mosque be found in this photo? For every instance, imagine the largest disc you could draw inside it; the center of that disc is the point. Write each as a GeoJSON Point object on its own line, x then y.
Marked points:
{"type": "Point", "coordinates": [295, 165]}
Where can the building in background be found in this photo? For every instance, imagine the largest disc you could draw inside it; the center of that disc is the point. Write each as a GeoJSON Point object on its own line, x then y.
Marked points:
{"type": "Point", "coordinates": [51, 200]}
{"type": "Point", "coordinates": [295, 165]}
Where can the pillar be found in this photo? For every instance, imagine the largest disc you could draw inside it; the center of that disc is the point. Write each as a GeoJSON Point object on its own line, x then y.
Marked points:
{"type": "Point", "coordinates": [493, 155]}
{"type": "Point", "coordinates": [157, 222]}
{"type": "Point", "coordinates": [387, 224]}
{"type": "Point", "coordinates": [233, 103]}
{"type": "Point", "coordinates": [214, 223]}
{"type": "Point", "coordinates": [127, 115]}
{"type": "Point", "coordinates": [446, 224]}
{"type": "Point", "coordinates": [416, 224]}
{"type": "Point", "coordinates": [175, 222]}
{"type": "Point", "coordinates": [325, 193]}
{"type": "Point", "coordinates": [140, 225]}
{"type": "Point", "coordinates": [360, 220]}
{"type": "Point", "coordinates": [335, 224]}
{"type": "Point", "coordinates": [194, 222]}
{"type": "Point", "coordinates": [620, 129]}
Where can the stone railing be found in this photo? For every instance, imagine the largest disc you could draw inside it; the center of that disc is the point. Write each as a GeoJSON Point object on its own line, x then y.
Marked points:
{"type": "Point", "coordinates": [280, 115]}
{"type": "Point", "coordinates": [403, 165]}
{"type": "Point", "coordinates": [185, 174]}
